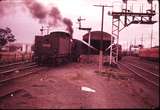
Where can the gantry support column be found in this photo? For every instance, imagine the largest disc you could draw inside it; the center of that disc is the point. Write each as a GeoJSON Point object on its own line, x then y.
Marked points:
{"type": "Point", "coordinates": [115, 34]}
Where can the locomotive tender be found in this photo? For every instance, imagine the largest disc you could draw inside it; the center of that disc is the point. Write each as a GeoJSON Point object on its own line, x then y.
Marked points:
{"type": "Point", "coordinates": [53, 48]}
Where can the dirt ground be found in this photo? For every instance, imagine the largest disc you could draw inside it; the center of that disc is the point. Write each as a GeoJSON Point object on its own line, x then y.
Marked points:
{"type": "Point", "coordinates": [61, 88]}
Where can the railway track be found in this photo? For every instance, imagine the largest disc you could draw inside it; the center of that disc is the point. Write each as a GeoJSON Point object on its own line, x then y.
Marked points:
{"type": "Point", "coordinates": [145, 74]}
{"type": "Point", "coordinates": [148, 65]}
{"type": "Point", "coordinates": [17, 70]}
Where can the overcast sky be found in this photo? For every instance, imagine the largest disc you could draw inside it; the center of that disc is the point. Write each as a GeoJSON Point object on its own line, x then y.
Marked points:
{"type": "Point", "coordinates": [17, 16]}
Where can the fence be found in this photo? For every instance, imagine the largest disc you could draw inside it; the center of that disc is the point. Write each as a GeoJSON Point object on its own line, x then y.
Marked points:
{"type": "Point", "coordinates": [9, 57]}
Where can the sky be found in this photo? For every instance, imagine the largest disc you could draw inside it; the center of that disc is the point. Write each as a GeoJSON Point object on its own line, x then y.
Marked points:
{"type": "Point", "coordinates": [25, 22]}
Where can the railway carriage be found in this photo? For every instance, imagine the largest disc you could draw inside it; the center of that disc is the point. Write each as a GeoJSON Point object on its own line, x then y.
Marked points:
{"type": "Point", "coordinates": [150, 53]}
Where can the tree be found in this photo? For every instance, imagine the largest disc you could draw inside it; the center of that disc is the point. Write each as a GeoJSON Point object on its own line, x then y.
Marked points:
{"type": "Point", "coordinates": [6, 36]}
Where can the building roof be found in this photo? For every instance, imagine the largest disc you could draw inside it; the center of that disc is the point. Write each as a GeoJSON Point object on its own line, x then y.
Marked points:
{"type": "Point", "coordinates": [96, 35]}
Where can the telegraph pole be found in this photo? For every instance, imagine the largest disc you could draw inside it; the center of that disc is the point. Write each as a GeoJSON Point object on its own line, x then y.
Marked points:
{"type": "Point", "coordinates": [101, 42]}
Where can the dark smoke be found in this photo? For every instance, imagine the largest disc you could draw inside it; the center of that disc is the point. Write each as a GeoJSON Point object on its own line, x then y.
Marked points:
{"type": "Point", "coordinates": [5, 7]}
{"type": "Point", "coordinates": [2, 9]}
{"type": "Point", "coordinates": [50, 16]}
{"type": "Point", "coordinates": [37, 10]}
{"type": "Point", "coordinates": [55, 15]}
{"type": "Point", "coordinates": [69, 24]}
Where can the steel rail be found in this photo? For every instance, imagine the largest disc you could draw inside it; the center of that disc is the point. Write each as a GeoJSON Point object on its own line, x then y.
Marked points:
{"type": "Point", "coordinates": [19, 76]}
{"type": "Point", "coordinates": [144, 70]}
{"type": "Point", "coordinates": [20, 68]}
{"type": "Point", "coordinates": [17, 63]}
{"type": "Point", "coordinates": [139, 75]}
{"type": "Point", "coordinates": [143, 62]}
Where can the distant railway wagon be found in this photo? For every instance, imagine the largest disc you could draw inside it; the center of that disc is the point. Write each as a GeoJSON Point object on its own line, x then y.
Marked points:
{"type": "Point", "coordinates": [53, 48]}
{"type": "Point", "coordinates": [150, 53]}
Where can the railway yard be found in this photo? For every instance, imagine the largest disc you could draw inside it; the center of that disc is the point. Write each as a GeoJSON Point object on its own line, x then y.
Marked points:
{"type": "Point", "coordinates": [80, 85]}
{"type": "Point", "coordinates": [65, 66]}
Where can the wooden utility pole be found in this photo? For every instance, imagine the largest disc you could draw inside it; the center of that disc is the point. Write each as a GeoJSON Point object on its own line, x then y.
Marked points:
{"type": "Point", "coordinates": [101, 42]}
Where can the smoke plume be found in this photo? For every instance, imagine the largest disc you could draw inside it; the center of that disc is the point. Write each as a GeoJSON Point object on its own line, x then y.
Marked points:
{"type": "Point", "coordinates": [5, 7]}
{"type": "Point", "coordinates": [51, 16]}
{"type": "Point", "coordinates": [36, 9]}
{"type": "Point", "coordinates": [55, 16]}
{"type": "Point", "coordinates": [69, 24]}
